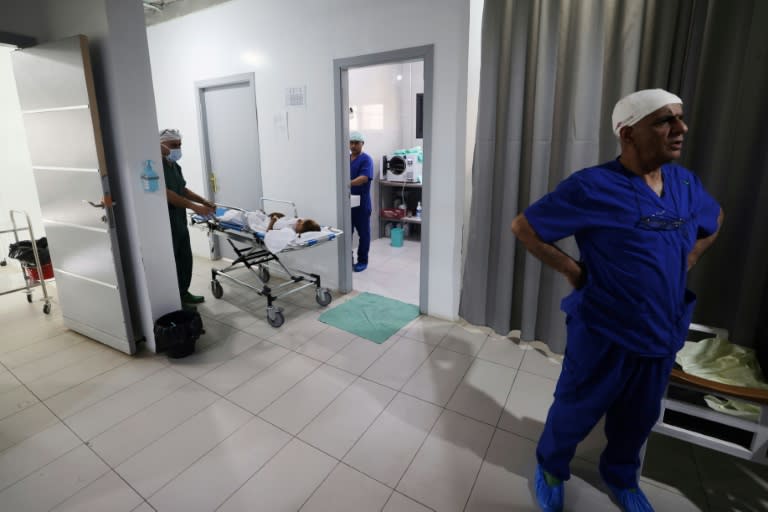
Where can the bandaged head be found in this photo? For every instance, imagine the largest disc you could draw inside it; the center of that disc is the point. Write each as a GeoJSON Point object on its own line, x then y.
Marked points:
{"type": "Point", "coordinates": [632, 108]}
{"type": "Point", "coordinates": [170, 134]}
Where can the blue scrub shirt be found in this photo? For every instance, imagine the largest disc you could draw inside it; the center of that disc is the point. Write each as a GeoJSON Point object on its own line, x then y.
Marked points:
{"type": "Point", "coordinates": [362, 166]}
{"type": "Point", "coordinates": [635, 247]}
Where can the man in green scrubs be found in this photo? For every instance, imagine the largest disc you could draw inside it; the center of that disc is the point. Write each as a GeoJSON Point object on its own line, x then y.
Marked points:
{"type": "Point", "coordinates": [180, 198]}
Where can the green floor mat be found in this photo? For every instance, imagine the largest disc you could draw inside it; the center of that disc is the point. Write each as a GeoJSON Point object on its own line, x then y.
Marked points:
{"type": "Point", "coordinates": [371, 316]}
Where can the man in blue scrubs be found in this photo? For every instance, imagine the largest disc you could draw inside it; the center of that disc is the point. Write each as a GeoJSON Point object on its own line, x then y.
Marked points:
{"type": "Point", "coordinates": [641, 222]}
{"type": "Point", "coordinates": [360, 176]}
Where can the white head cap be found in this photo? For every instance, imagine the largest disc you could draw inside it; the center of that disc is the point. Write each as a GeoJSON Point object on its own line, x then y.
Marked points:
{"type": "Point", "coordinates": [632, 108]}
{"type": "Point", "coordinates": [170, 134]}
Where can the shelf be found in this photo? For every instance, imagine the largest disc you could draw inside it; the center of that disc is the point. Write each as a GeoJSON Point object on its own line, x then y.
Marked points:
{"type": "Point", "coordinates": [406, 184]}
{"type": "Point", "coordinates": [408, 220]}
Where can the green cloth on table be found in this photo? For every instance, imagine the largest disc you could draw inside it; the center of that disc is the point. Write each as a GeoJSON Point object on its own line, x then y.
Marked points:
{"type": "Point", "coordinates": [721, 361]}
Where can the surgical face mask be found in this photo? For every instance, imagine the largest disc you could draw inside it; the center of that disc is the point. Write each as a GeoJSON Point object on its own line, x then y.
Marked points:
{"type": "Point", "coordinates": [174, 155]}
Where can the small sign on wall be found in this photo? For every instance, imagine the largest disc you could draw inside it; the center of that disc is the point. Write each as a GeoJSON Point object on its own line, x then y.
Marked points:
{"type": "Point", "coordinates": [296, 96]}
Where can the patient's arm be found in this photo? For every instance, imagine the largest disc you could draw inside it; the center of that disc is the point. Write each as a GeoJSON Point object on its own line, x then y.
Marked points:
{"type": "Point", "coordinates": [547, 253]}
{"type": "Point", "coordinates": [703, 243]}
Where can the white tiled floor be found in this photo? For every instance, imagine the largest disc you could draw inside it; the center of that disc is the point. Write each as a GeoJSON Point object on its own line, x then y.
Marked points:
{"type": "Point", "coordinates": [392, 271]}
{"type": "Point", "coordinates": [441, 417]}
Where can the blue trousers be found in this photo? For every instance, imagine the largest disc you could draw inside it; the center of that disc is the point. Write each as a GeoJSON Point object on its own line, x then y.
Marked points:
{"type": "Point", "coordinates": [600, 377]}
{"type": "Point", "coordinates": [361, 222]}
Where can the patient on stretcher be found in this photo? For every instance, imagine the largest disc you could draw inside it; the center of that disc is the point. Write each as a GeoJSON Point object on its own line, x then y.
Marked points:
{"type": "Point", "coordinates": [278, 230]}
{"type": "Point", "coordinates": [261, 222]}
{"type": "Point", "coordinates": [278, 220]}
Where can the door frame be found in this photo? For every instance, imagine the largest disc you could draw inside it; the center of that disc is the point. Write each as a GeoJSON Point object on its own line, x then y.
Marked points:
{"type": "Point", "coordinates": [341, 69]}
{"type": "Point", "coordinates": [200, 88]}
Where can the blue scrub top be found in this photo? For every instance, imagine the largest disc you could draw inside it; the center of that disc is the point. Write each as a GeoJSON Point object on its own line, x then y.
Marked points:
{"type": "Point", "coordinates": [635, 246]}
{"type": "Point", "coordinates": [362, 166]}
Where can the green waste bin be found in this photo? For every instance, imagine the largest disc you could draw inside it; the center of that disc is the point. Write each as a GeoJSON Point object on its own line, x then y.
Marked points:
{"type": "Point", "coordinates": [396, 237]}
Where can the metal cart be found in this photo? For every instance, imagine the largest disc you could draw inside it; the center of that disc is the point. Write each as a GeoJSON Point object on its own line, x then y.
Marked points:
{"type": "Point", "coordinates": [29, 282]}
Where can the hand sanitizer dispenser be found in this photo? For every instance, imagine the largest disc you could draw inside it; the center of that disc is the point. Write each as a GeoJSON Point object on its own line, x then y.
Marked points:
{"type": "Point", "coordinates": [150, 178]}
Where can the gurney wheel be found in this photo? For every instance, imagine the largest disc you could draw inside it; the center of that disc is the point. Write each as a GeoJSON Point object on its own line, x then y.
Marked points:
{"type": "Point", "coordinates": [216, 289]}
{"type": "Point", "coordinates": [263, 274]}
{"type": "Point", "coordinates": [47, 309]}
{"type": "Point", "coordinates": [29, 298]}
{"type": "Point", "coordinates": [276, 319]}
{"type": "Point", "coordinates": [323, 296]}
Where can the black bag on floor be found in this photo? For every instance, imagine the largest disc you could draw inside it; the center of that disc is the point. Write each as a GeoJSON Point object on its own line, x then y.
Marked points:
{"type": "Point", "coordinates": [177, 332]}
{"type": "Point", "coordinates": [23, 252]}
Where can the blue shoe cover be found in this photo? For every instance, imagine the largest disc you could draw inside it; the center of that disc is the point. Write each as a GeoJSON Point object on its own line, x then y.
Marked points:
{"type": "Point", "coordinates": [631, 500]}
{"type": "Point", "coordinates": [359, 267]}
{"type": "Point", "coordinates": [550, 498]}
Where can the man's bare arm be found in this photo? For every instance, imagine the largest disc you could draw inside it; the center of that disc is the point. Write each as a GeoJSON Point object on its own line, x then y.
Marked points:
{"type": "Point", "coordinates": [703, 243]}
{"type": "Point", "coordinates": [547, 253]}
{"type": "Point", "coordinates": [182, 202]}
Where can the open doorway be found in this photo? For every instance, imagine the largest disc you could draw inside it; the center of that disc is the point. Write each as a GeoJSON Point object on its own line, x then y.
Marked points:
{"type": "Point", "coordinates": [387, 98]}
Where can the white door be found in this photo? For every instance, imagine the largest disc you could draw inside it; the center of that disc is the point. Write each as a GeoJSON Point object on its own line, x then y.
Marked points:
{"type": "Point", "coordinates": [231, 145]}
{"type": "Point", "coordinates": [58, 104]}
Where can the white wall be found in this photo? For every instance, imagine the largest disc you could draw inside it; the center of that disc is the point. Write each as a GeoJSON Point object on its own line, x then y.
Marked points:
{"type": "Point", "coordinates": [18, 190]}
{"type": "Point", "coordinates": [413, 72]}
{"type": "Point", "coordinates": [294, 44]}
{"type": "Point", "coordinates": [473, 96]}
{"type": "Point", "coordinates": [370, 87]}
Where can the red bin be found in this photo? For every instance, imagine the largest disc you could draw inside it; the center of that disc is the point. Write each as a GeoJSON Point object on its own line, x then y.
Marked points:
{"type": "Point", "coordinates": [33, 274]}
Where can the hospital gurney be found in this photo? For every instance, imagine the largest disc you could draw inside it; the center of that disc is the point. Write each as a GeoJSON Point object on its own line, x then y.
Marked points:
{"type": "Point", "coordinates": [684, 414]}
{"type": "Point", "coordinates": [253, 254]}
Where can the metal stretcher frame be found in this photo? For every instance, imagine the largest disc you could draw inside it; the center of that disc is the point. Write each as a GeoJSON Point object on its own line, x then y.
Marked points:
{"type": "Point", "coordinates": [254, 256]}
{"type": "Point", "coordinates": [752, 436]}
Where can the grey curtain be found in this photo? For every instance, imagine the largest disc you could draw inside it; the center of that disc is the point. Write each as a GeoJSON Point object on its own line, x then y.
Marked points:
{"type": "Point", "coordinates": [551, 72]}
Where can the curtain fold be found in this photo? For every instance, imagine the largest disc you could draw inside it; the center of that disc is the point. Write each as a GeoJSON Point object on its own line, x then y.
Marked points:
{"type": "Point", "coordinates": [550, 75]}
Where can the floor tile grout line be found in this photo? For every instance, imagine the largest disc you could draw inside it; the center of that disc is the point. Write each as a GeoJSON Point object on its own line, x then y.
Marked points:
{"type": "Point", "coordinates": [165, 434]}
{"type": "Point", "coordinates": [700, 476]}
{"type": "Point", "coordinates": [253, 417]}
{"type": "Point", "coordinates": [365, 431]}
{"type": "Point", "coordinates": [479, 469]}
{"type": "Point", "coordinates": [147, 406]}
{"type": "Point", "coordinates": [395, 491]}
{"type": "Point", "coordinates": [48, 407]}
{"type": "Point", "coordinates": [111, 395]}
{"type": "Point", "coordinates": [338, 462]}
{"type": "Point", "coordinates": [109, 470]}
{"type": "Point", "coordinates": [37, 359]}
{"type": "Point", "coordinates": [506, 401]}
{"type": "Point", "coordinates": [234, 358]}
{"type": "Point", "coordinates": [107, 350]}
{"type": "Point", "coordinates": [266, 462]}
{"type": "Point", "coordinates": [32, 472]}
{"type": "Point", "coordinates": [99, 349]}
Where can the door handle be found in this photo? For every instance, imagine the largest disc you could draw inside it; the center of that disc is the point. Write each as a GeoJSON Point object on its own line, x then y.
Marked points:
{"type": "Point", "coordinates": [214, 185]}
{"type": "Point", "coordinates": [104, 203]}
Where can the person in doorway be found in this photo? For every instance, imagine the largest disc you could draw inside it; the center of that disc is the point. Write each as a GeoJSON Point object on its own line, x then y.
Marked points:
{"type": "Point", "coordinates": [180, 198]}
{"type": "Point", "coordinates": [360, 176]}
{"type": "Point", "coordinates": [640, 222]}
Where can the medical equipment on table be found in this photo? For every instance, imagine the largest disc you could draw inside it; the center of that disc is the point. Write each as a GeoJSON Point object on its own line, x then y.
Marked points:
{"type": "Point", "coordinates": [36, 275]}
{"type": "Point", "coordinates": [254, 255]}
{"type": "Point", "coordinates": [685, 415]}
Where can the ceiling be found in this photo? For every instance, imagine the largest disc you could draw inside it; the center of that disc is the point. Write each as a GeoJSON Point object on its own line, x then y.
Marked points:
{"type": "Point", "coordinates": [158, 11]}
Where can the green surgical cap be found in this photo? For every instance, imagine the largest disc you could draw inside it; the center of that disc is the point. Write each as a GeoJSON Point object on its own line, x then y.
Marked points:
{"type": "Point", "coordinates": [356, 136]}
